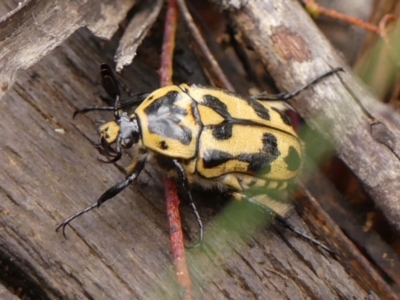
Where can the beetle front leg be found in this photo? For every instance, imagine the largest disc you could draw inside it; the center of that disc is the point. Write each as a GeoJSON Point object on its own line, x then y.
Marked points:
{"type": "Point", "coordinates": [185, 184]}
{"type": "Point", "coordinates": [107, 195]}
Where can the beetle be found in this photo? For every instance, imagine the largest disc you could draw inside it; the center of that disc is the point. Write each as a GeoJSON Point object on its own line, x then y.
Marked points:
{"type": "Point", "coordinates": [206, 136]}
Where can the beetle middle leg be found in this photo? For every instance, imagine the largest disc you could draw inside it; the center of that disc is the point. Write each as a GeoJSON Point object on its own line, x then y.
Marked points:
{"type": "Point", "coordinates": [187, 194]}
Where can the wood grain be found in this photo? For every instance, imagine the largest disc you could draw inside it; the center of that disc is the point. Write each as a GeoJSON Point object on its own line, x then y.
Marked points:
{"type": "Point", "coordinates": [121, 251]}
{"type": "Point", "coordinates": [345, 112]}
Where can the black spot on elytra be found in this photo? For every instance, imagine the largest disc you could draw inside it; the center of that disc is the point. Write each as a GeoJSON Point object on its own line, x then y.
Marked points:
{"type": "Point", "coordinates": [164, 103]}
{"type": "Point", "coordinates": [259, 109]}
{"type": "Point", "coordinates": [285, 118]}
{"type": "Point", "coordinates": [293, 159]}
{"type": "Point", "coordinates": [270, 144]}
{"type": "Point", "coordinates": [222, 132]}
{"type": "Point", "coordinates": [164, 118]}
{"type": "Point", "coordinates": [258, 162]}
{"type": "Point", "coordinates": [261, 162]}
{"type": "Point", "coordinates": [213, 158]}
{"type": "Point", "coordinates": [216, 104]}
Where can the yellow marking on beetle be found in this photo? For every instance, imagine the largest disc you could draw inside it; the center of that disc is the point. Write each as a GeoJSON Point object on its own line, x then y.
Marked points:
{"type": "Point", "coordinates": [109, 131]}
{"type": "Point", "coordinates": [283, 185]}
{"type": "Point", "coordinates": [209, 116]}
{"type": "Point", "coordinates": [238, 107]}
{"type": "Point", "coordinates": [272, 185]}
{"type": "Point", "coordinates": [232, 181]}
{"type": "Point", "coordinates": [167, 119]}
{"type": "Point", "coordinates": [220, 157]}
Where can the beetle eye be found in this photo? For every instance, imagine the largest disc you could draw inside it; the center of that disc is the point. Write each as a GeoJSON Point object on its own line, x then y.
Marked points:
{"type": "Point", "coordinates": [133, 138]}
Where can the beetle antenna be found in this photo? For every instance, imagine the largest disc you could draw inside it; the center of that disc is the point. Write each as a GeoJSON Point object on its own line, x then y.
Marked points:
{"type": "Point", "coordinates": [92, 108]}
{"type": "Point", "coordinates": [110, 84]}
{"type": "Point", "coordinates": [108, 81]}
{"type": "Point", "coordinates": [134, 101]}
{"type": "Point", "coordinates": [116, 110]}
{"type": "Point", "coordinates": [286, 96]}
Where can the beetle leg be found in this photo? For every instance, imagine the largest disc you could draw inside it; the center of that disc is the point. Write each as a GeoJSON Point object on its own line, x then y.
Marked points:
{"type": "Point", "coordinates": [266, 203]}
{"type": "Point", "coordinates": [107, 195]}
{"type": "Point", "coordinates": [286, 96]}
{"type": "Point", "coordinates": [284, 223]}
{"type": "Point", "coordinates": [279, 212]}
{"type": "Point", "coordinates": [185, 184]}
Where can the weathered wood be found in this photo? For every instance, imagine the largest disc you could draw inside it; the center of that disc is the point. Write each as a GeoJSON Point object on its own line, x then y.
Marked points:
{"type": "Point", "coordinates": [49, 171]}
{"type": "Point", "coordinates": [35, 27]}
{"type": "Point", "coordinates": [136, 31]}
{"type": "Point", "coordinates": [344, 112]}
{"type": "Point", "coordinates": [380, 253]}
{"type": "Point", "coordinates": [6, 295]}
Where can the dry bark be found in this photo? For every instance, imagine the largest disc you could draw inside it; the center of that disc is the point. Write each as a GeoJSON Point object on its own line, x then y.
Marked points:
{"type": "Point", "coordinates": [343, 111]}
{"type": "Point", "coordinates": [49, 171]}
{"type": "Point", "coordinates": [135, 32]}
{"type": "Point", "coordinates": [35, 27]}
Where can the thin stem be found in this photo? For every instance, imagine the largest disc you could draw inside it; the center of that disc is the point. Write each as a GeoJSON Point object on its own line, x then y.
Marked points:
{"type": "Point", "coordinates": [171, 194]}
{"type": "Point", "coordinates": [315, 8]}
{"type": "Point", "coordinates": [203, 46]}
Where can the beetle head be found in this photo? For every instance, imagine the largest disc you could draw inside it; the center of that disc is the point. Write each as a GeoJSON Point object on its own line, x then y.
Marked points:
{"type": "Point", "coordinates": [124, 131]}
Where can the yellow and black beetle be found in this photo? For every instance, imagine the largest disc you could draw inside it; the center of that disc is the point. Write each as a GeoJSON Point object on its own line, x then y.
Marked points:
{"type": "Point", "coordinates": [202, 135]}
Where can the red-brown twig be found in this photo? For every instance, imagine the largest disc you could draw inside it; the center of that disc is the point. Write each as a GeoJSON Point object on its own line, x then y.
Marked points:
{"type": "Point", "coordinates": [168, 47]}
{"type": "Point", "coordinates": [171, 195]}
{"type": "Point", "coordinates": [383, 25]}
{"type": "Point", "coordinates": [176, 238]}
{"type": "Point", "coordinates": [316, 9]}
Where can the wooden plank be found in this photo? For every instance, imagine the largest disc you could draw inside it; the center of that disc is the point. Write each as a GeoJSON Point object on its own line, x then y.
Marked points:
{"type": "Point", "coordinates": [49, 171]}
